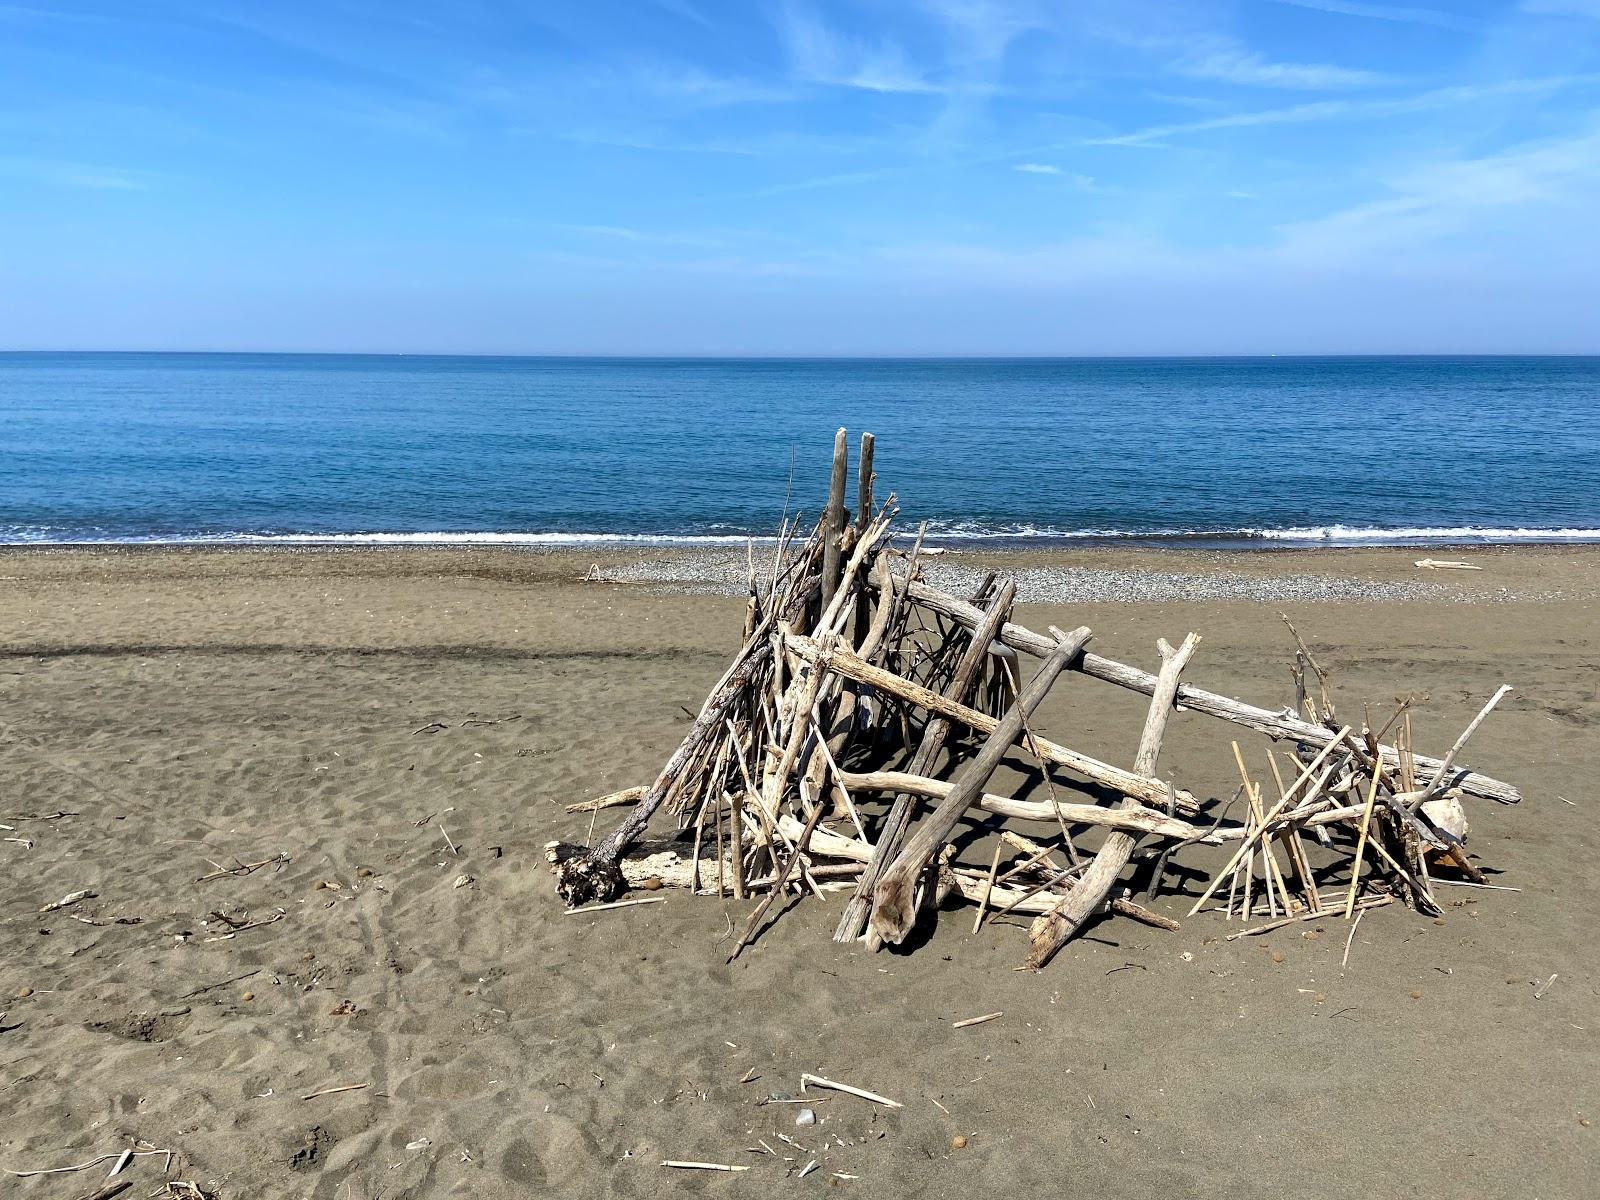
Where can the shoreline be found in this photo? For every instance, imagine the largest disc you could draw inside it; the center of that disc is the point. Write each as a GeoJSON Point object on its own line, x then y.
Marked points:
{"type": "Point", "coordinates": [1263, 540]}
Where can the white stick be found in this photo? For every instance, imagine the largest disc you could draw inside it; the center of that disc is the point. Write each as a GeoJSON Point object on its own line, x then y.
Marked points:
{"type": "Point", "coordinates": [819, 1081]}
{"type": "Point", "coordinates": [971, 1021]}
{"type": "Point", "coordinates": [699, 1166]}
{"type": "Point", "coordinates": [69, 898]}
{"type": "Point", "coordinates": [616, 904]}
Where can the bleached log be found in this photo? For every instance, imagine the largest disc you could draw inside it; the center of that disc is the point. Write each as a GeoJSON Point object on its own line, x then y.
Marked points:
{"type": "Point", "coordinates": [1276, 725]}
{"type": "Point", "coordinates": [1149, 791]}
{"type": "Point", "coordinates": [1134, 820]}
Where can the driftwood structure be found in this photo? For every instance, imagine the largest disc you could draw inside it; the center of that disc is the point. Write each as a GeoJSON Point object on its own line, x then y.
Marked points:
{"type": "Point", "coordinates": [866, 712]}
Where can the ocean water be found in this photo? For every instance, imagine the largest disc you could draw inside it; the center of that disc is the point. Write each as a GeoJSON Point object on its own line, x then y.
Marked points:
{"type": "Point", "coordinates": [357, 448]}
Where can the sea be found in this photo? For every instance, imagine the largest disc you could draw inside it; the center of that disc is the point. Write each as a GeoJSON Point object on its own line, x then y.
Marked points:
{"type": "Point", "coordinates": [385, 449]}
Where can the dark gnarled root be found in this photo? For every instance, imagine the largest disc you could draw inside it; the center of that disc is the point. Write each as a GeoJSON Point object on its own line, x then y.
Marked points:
{"type": "Point", "coordinates": [583, 877]}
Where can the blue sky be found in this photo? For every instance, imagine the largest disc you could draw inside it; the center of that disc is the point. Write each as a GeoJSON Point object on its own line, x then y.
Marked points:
{"type": "Point", "coordinates": [801, 176]}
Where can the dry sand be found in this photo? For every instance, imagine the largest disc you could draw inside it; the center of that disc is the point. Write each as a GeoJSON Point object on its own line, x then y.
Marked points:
{"type": "Point", "coordinates": [185, 708]}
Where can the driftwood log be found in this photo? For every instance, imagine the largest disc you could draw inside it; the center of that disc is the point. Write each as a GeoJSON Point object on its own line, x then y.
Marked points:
{"type": "Point", "coordinates": [850, 742]}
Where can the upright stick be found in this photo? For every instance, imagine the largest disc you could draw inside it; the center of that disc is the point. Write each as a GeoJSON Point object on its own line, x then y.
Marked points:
{"type": "Point", "coordinates": [1051, 931]}
{"type": "Point", "coordinates": [833, 517]}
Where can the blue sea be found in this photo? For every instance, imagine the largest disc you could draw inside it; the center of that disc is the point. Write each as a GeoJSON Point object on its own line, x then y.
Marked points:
{"type": "Point", "coordinates": [113, 447]}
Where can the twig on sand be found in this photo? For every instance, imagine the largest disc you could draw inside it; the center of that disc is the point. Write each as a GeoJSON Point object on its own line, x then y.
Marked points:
{"type": "Point", "coordinates": [213, 986]}
{"type": "Point", "coordinates": [1545, 987]}
{"type": "Point", "coordinates": [447, 840]}
{"type": "Point", "coordinates": [243, 868]}
{"type": "Point", "coordinates": [971, 1021]}
{"type": "Point", "coordinates": [343, 1087]}
{"type": "Point", "coordinates": [588, 908]}
{"type": "Point", "coordinates": [685, 1165]}
{"type": "Point", "coordinates": [274, 918]}
{"type": "Point", "coordinates": [84, 1166]}
{"type": "Point", "coordinates": [819, 1081]}
{"type": "Point", "coordinates": [1361, 906]}
{"type": "Point", "coordinates": [1345, 961]}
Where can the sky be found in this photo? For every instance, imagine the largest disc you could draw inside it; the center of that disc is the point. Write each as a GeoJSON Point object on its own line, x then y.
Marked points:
{"type": "Point", "coordinates": [801, 177]}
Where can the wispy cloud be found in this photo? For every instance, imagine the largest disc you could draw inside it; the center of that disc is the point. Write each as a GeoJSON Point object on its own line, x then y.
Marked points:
{"type": "Point", "coordinates": [1403, 14]}
{"type": "Point", "coordinates": [1328, 110]}
{"type": "Point", "coordinates": [1080, 181]}
{"type": "Point", "coordinates": [1240, 66]}
{"type": "Point", "coordinates": [821, 54]}
{"type": "Point", "coordinates": [1447, 198]}
{"type": "Point", "coordinates": [684, 10]}
{"type": "Point", "coordinates": [86, 176]}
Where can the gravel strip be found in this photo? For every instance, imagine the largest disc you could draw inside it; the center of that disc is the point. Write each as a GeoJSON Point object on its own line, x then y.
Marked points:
{"type": "Point", "coordinates": [716, 573]}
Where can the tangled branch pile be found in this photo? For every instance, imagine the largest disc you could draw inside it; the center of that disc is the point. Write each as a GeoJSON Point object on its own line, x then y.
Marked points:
{"type": "Point", "coordinates": [858, 679]}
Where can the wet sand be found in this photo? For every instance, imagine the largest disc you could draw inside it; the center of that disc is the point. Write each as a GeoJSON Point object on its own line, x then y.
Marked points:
{"type": "Point", "coordinates": [360, 712]}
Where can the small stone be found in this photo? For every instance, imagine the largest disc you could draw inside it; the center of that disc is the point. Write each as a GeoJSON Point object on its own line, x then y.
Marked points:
{"type": "Point", "coordinates": [1585, 1122]}
{"type": "Point", "coordinates": [24, 992]}
{"type": "Point", "coordinates": [1416, 995]}
{"type": "Point", "coordinates": [1187, 956]}
{"type": "Point", "coordinates": [1310, 935]}
{"type": "Point", "coordinates": [307, 957]}
{"type": "Point", "coordinates": [779, 1097]}
{"type": "Point", "coordinates": [653, 884]}
{"type": "Point", "coordinates": [1320, 998]}
{"type": "Point", "coordinates": [1277, 956]}
{"type": "Point", "coordinates": [321, 884]}
{"type": "Point", "coordinates": [806, 1116]}
{"type": "Point", "coordinates": [364, 872]}
{"type": "Point", "coordinates": [1438, 920]}
{"type": "Point", "coordinates": [462, 881]}
{"type": "Point", "coordinates": [958, 1142]}
{"type": "Point", "coordinates": [247, 996]}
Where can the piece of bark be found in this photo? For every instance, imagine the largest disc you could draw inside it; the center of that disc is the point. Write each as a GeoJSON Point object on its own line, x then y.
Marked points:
{"type": "Point", "coordinates": [1052, 930]}
{"type": "Point", "coordinates": [893, 907]}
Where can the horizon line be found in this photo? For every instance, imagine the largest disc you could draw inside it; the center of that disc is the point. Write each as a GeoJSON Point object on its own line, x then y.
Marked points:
{"type": "Point", "coordinates": [780, 357]}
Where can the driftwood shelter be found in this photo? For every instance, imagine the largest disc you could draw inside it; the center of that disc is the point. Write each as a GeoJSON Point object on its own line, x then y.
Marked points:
{"type": "Point", "coordinates": [866, 712]}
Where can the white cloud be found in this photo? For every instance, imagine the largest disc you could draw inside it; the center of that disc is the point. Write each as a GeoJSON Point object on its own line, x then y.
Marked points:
{"type": "Point", "coordinates": [819, 54]}
{"type": "Point", "coordinates": [1251, 69]}
{"type": "Point", "coordinates": [1327, 110]}
{"type": "Point", "coordinates": [1037, 169]}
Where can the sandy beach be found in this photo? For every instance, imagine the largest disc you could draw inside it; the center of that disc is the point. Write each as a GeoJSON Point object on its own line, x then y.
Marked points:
{"type": "Point", "coordinates": [391, 736]}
